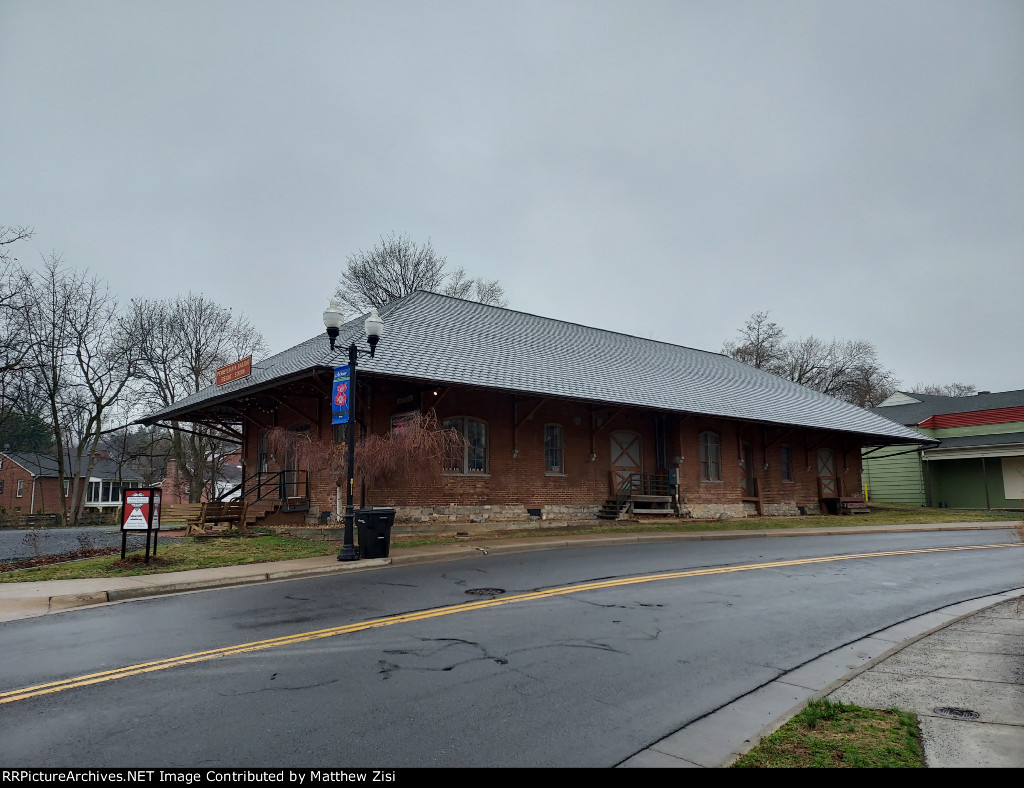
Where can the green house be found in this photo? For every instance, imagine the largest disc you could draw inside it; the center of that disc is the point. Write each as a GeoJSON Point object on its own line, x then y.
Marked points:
{"type": "Point", "coordinates": [977, 464]}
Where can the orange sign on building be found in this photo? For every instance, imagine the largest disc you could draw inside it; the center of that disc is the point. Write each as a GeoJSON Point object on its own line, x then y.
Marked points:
{"type": "Point", "coordinates": [238, 369]}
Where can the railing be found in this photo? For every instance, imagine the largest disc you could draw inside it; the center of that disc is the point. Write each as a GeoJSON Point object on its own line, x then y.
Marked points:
{"type": "Point", "coordinates": [640, 483]}
{"type": "Point", "coordinates": [631, 484]}
{"type": "Point", "coordinates": [285, 485]}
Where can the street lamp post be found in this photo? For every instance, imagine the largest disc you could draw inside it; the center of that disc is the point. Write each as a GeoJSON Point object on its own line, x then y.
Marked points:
{"type": "Point", "coordinates": [374, 327]}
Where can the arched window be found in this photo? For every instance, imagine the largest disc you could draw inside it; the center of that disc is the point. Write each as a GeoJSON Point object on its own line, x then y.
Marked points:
{"type": "Point", "coordinates": [710, 457]}
{"type": "Point", "coordinates": [472, 456]}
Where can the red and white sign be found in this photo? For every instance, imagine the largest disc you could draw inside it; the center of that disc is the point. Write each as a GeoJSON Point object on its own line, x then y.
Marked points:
{"type": "Point", "coordinates": [140, 510]}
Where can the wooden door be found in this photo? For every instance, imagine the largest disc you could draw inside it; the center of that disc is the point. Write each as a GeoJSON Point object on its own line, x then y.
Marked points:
{"type": "Point", "coordinates": [828, 484]}
{"type": "Point", "coordinates": [627, 458]}
{"type": "Point", "coordinates": [291, 486]}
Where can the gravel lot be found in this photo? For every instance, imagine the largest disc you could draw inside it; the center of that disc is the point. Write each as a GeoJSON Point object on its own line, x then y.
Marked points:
{"type": "Point", "coordinates": [20, 544]}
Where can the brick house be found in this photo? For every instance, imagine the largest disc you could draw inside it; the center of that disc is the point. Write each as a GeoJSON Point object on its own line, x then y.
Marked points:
{"type": "Point", "coordinates": [561, 421]}
{"type": "Point", "coordinates": [174, 488]}
{"type": "Point", "coordinates": [29, 483]}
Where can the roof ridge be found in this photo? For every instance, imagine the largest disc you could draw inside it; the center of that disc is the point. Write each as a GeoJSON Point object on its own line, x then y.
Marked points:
{"type": "Point", "coordinates": [558, 321]}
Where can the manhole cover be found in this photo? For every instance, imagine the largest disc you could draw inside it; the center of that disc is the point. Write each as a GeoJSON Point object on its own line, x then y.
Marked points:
{"type": "Point", "coordinates": [957, 714]}
{"type": "Point", "coordinates": [485, 591]}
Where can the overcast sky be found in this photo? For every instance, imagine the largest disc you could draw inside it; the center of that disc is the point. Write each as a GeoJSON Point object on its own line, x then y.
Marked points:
{"type": "Point", "coordinates": [657, 168]}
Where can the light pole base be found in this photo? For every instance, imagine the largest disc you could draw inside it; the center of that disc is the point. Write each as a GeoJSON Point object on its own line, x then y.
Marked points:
{"type": "Point", "coordinates": [348, 553]}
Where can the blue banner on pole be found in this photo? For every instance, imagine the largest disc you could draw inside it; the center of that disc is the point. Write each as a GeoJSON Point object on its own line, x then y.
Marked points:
{"type": "Point", "coordinates": [340, 396]}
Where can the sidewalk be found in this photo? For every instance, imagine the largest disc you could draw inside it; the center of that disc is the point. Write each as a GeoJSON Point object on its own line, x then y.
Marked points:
{"type": "Point", "coordinates": [965, 658]}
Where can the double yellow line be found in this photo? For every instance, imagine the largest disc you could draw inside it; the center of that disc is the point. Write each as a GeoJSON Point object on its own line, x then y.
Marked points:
{"type": "Point", "coordinates": [259, 645]}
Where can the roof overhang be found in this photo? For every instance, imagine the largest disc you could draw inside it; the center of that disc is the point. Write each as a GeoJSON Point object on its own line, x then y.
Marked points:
{"type": "Point", "coordinates": [225, 407]}
{"type": "Point", "coordinates": [222, 406]}
{"type": "Point", "coordinates": [974, 452]}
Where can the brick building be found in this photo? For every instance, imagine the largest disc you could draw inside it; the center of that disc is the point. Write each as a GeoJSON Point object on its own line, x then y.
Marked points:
{"type": "Point", "coordinates": [29, 483]}
{"type": "Point", "coordinates": [561, 421]}
{"type": "Point", "coordinates": [175, 489]}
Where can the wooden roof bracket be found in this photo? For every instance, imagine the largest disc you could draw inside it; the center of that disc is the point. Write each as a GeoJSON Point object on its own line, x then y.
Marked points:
{"type": "Point", "coordinates": [682, 420]}
{"type": "Point", "coordinates": [226, 436]}
{"type": "Point", "coordinates": [594, 429]}
{"type": "Point", "coordinates": [300, 414]}
{"type": "Point", "coordinates": [517, 422]}
{"type": "Point", "coordinates": [440, 396]}
{"type": "Point", "coordinates": [246, 417]}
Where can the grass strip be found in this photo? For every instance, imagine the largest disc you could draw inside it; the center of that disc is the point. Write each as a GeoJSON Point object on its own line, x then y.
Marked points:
{"type": "Point", "coordinates": [832, 735]}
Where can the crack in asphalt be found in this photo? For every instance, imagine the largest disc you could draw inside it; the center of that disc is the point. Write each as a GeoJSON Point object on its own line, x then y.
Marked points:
{"type": "Point", "coordinates": [386, 667]}
{"type": "Point", "coordinates": [280, 688]}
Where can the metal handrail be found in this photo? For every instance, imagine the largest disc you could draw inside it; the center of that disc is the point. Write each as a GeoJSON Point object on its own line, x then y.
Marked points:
{"type": "Point", "coordinates": [626, 489]}
{"type": "Point", "coordinates": [267, 484]}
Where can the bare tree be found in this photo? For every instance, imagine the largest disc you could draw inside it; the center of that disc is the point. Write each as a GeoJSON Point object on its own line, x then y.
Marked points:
{"type": "Point", "coordinates": [182, 343]}
{"type": "Point", "coordinates": [947, 389]}
{"type": "Point", "coordinates": [82, 357]}
{"type": "Point", "coordinates": [14, 338]}
{"type": "Point", "coordinates": [846, 369]}
{"type": "Point", "coordinates": [10, 234]}
{"type": "Point", "coordinates": [398, 266]}
{"type": "Point", "coordinates": [137, 452]}
{"type": "Point", "coordinates": [412, 454]}
{"type": "Point", "coordinates": [760, 344]}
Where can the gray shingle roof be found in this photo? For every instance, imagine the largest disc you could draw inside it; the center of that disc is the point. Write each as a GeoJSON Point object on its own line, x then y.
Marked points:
{"type": "Point", "coordinates": [937, 405]}
{"type": "Point", "coordinates": [447, 340]}
{"type": "Point", "coordinates": [46, 465]}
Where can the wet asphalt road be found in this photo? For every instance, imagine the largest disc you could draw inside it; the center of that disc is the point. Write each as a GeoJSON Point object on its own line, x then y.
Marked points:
{"type": "Point", "coordinates": [22, 544]}
{"type": "Point", "coordinates": [581, 679]}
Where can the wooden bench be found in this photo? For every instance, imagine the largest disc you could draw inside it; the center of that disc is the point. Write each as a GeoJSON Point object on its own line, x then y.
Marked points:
{"type": "Point", "coordinates": [198, 518]}
{"type": "Point", "coordinates": [186, 515]}
{"type": "Point", "coordinates": [227, 513]}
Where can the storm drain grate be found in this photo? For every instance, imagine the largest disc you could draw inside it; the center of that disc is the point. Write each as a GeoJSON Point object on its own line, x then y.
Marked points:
{"type": "Point", "coordinates": [956, 714]}
{"type": "Point", "coordinates": [485, 591]}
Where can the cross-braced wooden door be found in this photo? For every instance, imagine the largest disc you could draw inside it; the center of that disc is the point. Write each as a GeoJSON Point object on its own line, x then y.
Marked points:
{"type": "Point", "coordinates": [627, 458]}
{"type": "Point", "coordinates": [827, 481]}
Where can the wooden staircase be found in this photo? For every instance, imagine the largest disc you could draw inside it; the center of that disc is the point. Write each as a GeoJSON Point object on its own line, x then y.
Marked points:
{"type": "Point", "coordinates": [647, 494]}
{"type": "Point", "coordinates": [611, 509]}
{"type": "Point", "coordinates": [260, 509]}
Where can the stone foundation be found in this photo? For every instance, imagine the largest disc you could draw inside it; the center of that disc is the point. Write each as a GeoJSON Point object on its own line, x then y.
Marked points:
{"type": "Point", "coordinates": [493, 514]}
{"type": "Point", "coordinates": [786, 509]}
{"type": "Point", "coordinates": [438, 515]}
{"type": "Point", "coordinates": [712, 511]}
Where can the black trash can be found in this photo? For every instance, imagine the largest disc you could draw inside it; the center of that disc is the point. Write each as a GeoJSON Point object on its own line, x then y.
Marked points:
{"type": "Point", "coordinates": [373, 526]}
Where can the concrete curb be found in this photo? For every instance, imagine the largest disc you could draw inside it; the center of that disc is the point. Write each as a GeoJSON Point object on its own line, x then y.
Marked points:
{"type": "Point", "coordinates": [718, 739]}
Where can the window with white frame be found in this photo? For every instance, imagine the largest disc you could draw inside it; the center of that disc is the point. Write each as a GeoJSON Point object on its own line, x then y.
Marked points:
{"type": "Point", "coordinates": [471, 456]}
{"type": "Point", "coordinates": [103, 492]}
{"type": "Point", "coordinates": [554, 451]}
{"type": "Point", "coordinates": [710, 457]}
{"type": "Point", "coordinates": [21, 488]}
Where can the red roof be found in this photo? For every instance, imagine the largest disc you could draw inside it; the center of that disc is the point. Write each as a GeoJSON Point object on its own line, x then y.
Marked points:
{"type": "Point", "coordinates": [974, 418]}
